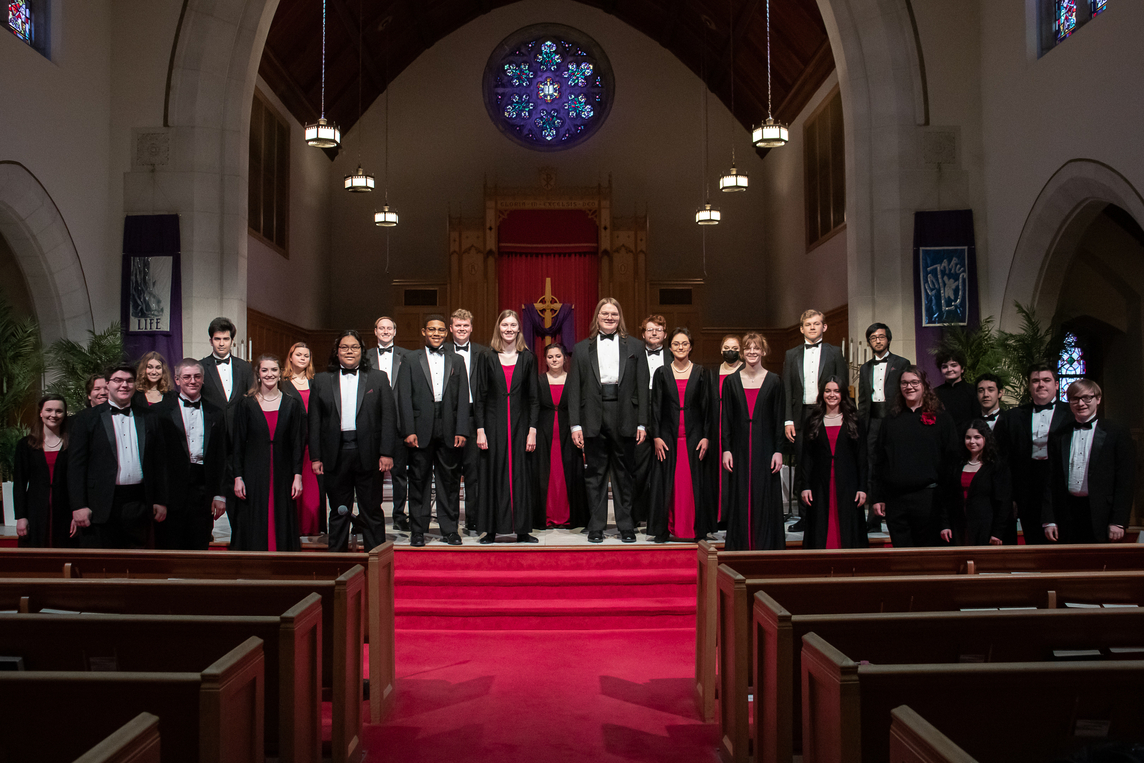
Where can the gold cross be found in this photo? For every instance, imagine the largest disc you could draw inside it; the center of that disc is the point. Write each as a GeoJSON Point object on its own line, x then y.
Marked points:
{"type": "Point", "coordinates": [548, 305]}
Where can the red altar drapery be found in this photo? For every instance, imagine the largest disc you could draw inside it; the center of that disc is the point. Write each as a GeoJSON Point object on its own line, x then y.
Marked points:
{"type": "Point", "coordinates": [557, 244]}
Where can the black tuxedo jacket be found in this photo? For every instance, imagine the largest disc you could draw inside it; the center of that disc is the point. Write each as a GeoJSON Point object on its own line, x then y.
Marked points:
{"type": "Point", "coordinates": [178, 457]}
{"type": "Point", "coordinates": [1014, 434]}
{"type": "Point", "coordinates": [399, 355]}
{"type": "Point", "coordinates": [415, 391]}
{"type": "Point", "coordinates": [242, 376]}
{"type": "Point", "coordinates": [584, 390]}
{"type": "Point", "coordinates": [376, 419]}
{"type": "Point", "coordinates": [1111, 479]}
{"type": "Point", "coordinates": [830, 363]}
{"type": "Point", "coordinates": [93, 460]}
{"type": "Point", "coordinates": [895, 365]}
{"type": "Point", "coordinates": [475, 351]}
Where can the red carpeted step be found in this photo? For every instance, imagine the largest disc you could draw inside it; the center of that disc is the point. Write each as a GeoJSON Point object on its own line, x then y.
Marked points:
{"type": "Point", "coordinates": [540, 614]}
{"type": "Point", "coordinates": [550, 584]}
{"type": "Point", "coordinates": [526, 557]}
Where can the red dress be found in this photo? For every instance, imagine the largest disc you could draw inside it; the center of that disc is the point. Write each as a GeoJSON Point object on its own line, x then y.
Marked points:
{"type": "Point", "coordinates": [556, 503]}
{"type": "Point", "coordinates": [50, 456]}
{"type": "Point", "coordinates": [833, 534]}
{"type": "Point", "coordinates": [752, 395]}
{"type": "Point", "coordinates": [307, 503]}
{"type": "Point", "coordinates": [271, 530]}
{"type": "Point", "coordinates": [719, 447]}
{"type": "Point", "coordinates": [681, 520]}
{"type": "Point", "coordinates": [508, 432]}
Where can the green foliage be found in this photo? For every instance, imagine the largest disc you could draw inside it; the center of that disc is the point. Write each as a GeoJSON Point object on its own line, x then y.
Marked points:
{"type": "Point", "coordinates": [9, 436]}
{"type": "Point", "coordinates": [72, 363]}
{"type": "Point", "coordinates": [21, 369]}
{"type": "Point", "coordinates": [981, 346]}
{"type": "Point", "coordinates": [1025, 348]}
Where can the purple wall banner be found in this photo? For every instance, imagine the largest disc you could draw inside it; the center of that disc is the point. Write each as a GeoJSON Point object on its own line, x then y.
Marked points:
{"type": "Point", "coordinates": [152, 291]}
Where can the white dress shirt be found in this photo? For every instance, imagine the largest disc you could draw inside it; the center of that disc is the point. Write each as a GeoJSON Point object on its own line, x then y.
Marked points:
{"type": "Point", "coordinates": [349, 386]}
{"type": "Point", "coordinates": [810, 359]}
{"type": "Point", "coordinates": [130, 470]}
{"type": "Point", "coordinates": [878, 379]}
{"type": "Point", "coordinates": [995, 414]}
{"type": "Point", "coordinates": [1042, 422]}
{"type": "Point", "coordinates": [225, 373]}
{"type": "Point", "coordinates": [437, 373]}
{"type": "Point", "coordinates": [194, 428]}
{"type": "Point", "coordinates": [466, 354]}
{"type": "Point", "coordinates": [385, 363]}
{"type": "Point", "coordinates": [654, 363]}
{"type": "Point", "coordinates": [1080, 451]}
{"type": "Point", "coordinates": [608, 355]}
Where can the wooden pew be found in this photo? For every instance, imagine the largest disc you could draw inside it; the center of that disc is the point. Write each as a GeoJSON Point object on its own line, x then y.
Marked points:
{"type": "Point", "coordinates": [1006, 712]}
{"type": "Point", "coordinates": [342, 622]}
{"type": "Point", "coordinates": [910, 637]}
{"type": "Point", "coordinates": [207, 716]}
{"type": "Point", "coordinates": [879, 594]}
{"type": "Point", "coordinates": [292, 645]}
{"type": "Point", "coordinates": [914, 740]}
{"type": "Point", "coordinates": [891, 561]}
{"type": "Point", "coordinates": [241, 565]}
{"type": "Point", "coordinates": [136, 742]}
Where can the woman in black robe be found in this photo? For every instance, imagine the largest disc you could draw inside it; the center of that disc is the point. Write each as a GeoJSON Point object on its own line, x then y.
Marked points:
{"type": "Point", "coordinates": [267, 462]}
{"type": "Point", "coordinates": [40, 478]}
{"type": "Point", "coordinates": [832, 470]}
{"type": "Point", "coordinates": [676, 511]}
{"type": "Point", "coordinates": [978, 493]}
{"type": "Point", "coordinates": [505, 411]}
{"type": "Point", "coordinates": [752, 445]}
{"type": "Point", "coordinates": [569, 509]}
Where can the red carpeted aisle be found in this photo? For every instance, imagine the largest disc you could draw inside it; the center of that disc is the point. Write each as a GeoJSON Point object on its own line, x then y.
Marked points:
{"type": "Point", "coordinates": [545, 655]}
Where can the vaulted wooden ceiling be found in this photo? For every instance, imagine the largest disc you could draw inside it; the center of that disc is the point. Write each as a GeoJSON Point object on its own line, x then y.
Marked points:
{"type": "Point", "coordinates": [394, 32]}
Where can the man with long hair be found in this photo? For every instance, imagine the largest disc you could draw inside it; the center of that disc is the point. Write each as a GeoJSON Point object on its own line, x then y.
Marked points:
{"type": "Point", "coordinates": [607, 409]}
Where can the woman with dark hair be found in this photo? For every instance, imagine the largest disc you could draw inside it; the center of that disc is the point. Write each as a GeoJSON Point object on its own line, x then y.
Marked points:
{"type": "Point", "coordinates": [730, 350]}
{"type": "Point", "coordinates": [680, 413]}
{"type": "Point", "coordinates": [299, 371]}
{"type": "Point", "coordinates": [505, 412]}
{"type": "Point", "coordinates": [832, 472]}
{"type": "Point", "coordinates": [752, 452]}
{"type": "Point", "coordinates": [978, 501]}
{"type": "Point", "coordinates": [153, 380]}
{"type": "Point", "coordinates": [561, 463]}
{"type": "Point", "coordinates": [267, 463]}
{"type": "Point", "coordinates": [957, 396]}
{"type": "Point", "coordinates": [96, 390]}
{"type": "Point", "coordinates": [916, 447]}
{"type": "Point", "coordinates": [40, 478]}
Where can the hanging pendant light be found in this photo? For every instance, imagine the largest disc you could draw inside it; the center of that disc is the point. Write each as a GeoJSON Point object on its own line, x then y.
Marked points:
{"type": "Point", "coordinates": [386, 218]}
{"type": "Point", "coordinates": [706, 214]}
{"type": "Point", "coordinates": [360, 181]}
{"type": "Point", "coordinates": [733, 180]}
{"type": "Point", "coordinates": [323, 134]}
{"type": "Point", "coordinates": [770, 134]}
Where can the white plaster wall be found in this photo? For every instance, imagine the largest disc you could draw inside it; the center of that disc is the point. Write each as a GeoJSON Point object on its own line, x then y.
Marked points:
{"type": "Point", "coordinates": [443, 146]}
{"type": "Point", "coordinates": [295, 289]}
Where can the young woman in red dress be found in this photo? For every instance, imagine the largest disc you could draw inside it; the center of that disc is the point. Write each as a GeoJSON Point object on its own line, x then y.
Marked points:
{"type": "Point", "coordinates": [299, 371]}
{"type": "Point", "coordinates": [561, 465]}
{"type": "Point", "coordinates": [979, 493]}
{"type": "Point", "coordinates": [40, 478]}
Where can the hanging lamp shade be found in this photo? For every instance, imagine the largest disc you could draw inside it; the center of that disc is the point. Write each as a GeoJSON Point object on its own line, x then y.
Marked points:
{"type": "Point", "coordinates": [360, 181]}
{"type": "Point", "coordinates": [323, 134]}
{"type": "Point", "coordinates": [707, 215]}
{"type": "Point", "coordinates": [733, 181]}
{"type": "Point", "coordinates": [770, 134]}
{"type": "Point", "coordinates": [385, 217]}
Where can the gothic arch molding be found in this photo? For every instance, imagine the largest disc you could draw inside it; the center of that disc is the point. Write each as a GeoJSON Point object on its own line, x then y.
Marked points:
{"type": "Point", "coordinates": [39, 238]}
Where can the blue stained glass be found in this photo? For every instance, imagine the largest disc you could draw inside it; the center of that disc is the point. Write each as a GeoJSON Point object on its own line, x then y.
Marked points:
{"type": "Point", "coordinates": [548, 58]}
{"type": "Point", "coordinates": [1098, 6]}
{"type": "Point", "coordinates": [518, 74]}
{"type": "Point", "coordinates": [547, 90]}
{"type": "Point", "coordinates": [20, 19]}
{"type": "Point", "coordinates": [578, 74]}
{"type": "Point", "coordinates": [577, 106]}
{"type": "Point", "coordinates": [519, 107]}
{"type": "Point", "coordinates": [548, 122]}
{"type": "Point", "coordinates": [1071, 364]}
{"type": "Point", "coordinates": [1065, 22]}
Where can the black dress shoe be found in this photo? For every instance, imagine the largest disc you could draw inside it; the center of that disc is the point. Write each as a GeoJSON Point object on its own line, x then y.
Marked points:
{"type": "Point", "coordinates": [661, 538]}
{"type": "Point", "coordinates": [487, 539]}
{"type": "Point", "coordinates": [798, 526]}
{"type": "Point", "coordinates": [628, 536]}
{"type": "Point", "coordinates": [453, 539]}
{"type": "Point", "coordinates": [596, 537]}
{"type": "Point", "coordinates": [417, 539]}
{"type": "Point", "coordinates": [526, 538]}
{"type": "Point", "coordinates": [401, 523]}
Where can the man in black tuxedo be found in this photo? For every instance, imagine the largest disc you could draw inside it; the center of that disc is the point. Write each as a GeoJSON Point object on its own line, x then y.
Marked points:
{"type": "Point", "coordinates": [607, 392]}
{"type": "Point", "coordinates": [353, 426]}
{"type": "Point", "coordinates": [990, 388]}
{"type": "Point", "coordinates": [194, 438]}
{"type": "Point", "coordinates": [1024, 433]}
{"type": "Point", "coordinates": [434, 391]}
{"type": "Point", "coordinates": [878, 382]}
{"type": "Point", "coordinates": [654, 331]}
{"type": "Point", "coordinates": [116, 479]}
{"type": "Point", "coordinates": [1093, 472]}
{"type": "Point", "coordinates": [461, 329]}
{"type": "Point", "coordinates": [388, 357]}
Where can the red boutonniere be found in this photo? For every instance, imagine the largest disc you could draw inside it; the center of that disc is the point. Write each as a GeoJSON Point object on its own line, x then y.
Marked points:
{"type": "Point", "coordinates": [929, 419]}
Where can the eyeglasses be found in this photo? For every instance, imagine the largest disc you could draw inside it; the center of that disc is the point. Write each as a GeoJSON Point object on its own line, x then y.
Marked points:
{"type": "Point", "coordinates": [680, 345]}
{"type": "Point", "coordinates": [915, 383]}
{"type": "Point", "coordinates": [653, 330]}
{"type": "Point", "coordinates": [350, 347]}
{"type": "Point", "coordinates": [113, 380]}
{"type": "Point", "coordinates": [878, 336]}
{"type": "Point", "coordinates": [1086, 399]}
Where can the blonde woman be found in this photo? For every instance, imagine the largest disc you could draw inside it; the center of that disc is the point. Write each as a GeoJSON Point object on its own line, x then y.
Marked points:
{"type": "Point", "coordinates": [296, 378]}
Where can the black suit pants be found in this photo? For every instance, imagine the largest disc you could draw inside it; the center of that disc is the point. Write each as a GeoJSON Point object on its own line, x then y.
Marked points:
{"type": "Point", "coordinates": [609, 451]}
{"type": "Point", "coordinates": [469, 465]}
{"type": "Point", "coordinates": [399, 477]}
{"type": "Point", "coordinates": [127, 526]}
{"type": "Point", "coordinates": [349, 480]}
{"type": "Point", "coordinates": [1029, 497]}
{"type": "Point", "coordinates": [873, 521]}
{"type": "Point", "coordinates": [439, 460]}
{"type": "Point", "coordinates": [1077, 526]}
{"type": "Point", "coordinates": [189, 527]}
{"type": "Point", "coordinates": [911, 519]}
{"type": "Point", "coordinates": [641, 479]}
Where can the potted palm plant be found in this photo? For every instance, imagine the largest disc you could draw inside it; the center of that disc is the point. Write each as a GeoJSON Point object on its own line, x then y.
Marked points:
{"type": "Point", "coordinates": [71, 363]}
{"type": "Point", "coordinates": [21, 371]}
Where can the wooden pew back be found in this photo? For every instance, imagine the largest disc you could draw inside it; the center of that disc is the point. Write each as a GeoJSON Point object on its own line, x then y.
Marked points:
{"type": "Point", "coordinates": [137, 741]}
{"type": "Point", "coordinates": [914, 740]}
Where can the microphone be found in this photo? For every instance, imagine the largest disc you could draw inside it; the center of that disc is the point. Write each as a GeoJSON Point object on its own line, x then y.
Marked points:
{"type": "Point", "coordinates": [343, 510]}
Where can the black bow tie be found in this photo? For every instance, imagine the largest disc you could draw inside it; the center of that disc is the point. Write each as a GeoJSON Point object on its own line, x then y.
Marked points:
{"type": "Point", "coordinates": [457, 348]}
{"type": "Point", "coordinates": [608, 336]}
{"type": "Point", "coordinates": [1084, 424]}
{"type": "Point", "coordinates": [120, 411]}
{"type": "Point", "coordinates": [196, 404]}
{"type": "Point", "coordinates": [876, 361]}
{"type": "Point", "coordinates": [814, 346]}
{"type": "Point", "coordinates": [1042, 408]}
{"type": "Point", "coordinates": [441, 350]}
{"type": "Point", "coordinates": [991, 417]}
{"type": "Point", "coordinates": [222, 361]}
{"type": "Point", "coordinates": [349, 371]}
{"type": "Point", "coordinates": [656, 351]}
{"type": "Point", "coordinates": [383, 350]}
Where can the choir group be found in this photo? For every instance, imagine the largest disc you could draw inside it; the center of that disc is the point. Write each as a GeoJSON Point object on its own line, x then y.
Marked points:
{"type": "Point", "coordinates": [161, 452]}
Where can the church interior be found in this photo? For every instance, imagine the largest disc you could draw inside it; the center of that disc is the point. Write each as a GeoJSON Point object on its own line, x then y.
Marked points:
{"type": "Point", "coordinates": [1001, 134]}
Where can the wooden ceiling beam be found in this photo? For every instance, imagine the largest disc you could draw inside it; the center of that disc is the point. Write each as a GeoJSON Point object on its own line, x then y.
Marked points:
{"type": "Point", "coordinates": [282, 82]}
{"type": "Point", "coordinates": [807, 84]}
{"type": "Point", "coordinates": [416, 9]}
{"type": "Point", "coordinates": [725, 63]}
{"type": "Point", "coordinates": [350, 22]}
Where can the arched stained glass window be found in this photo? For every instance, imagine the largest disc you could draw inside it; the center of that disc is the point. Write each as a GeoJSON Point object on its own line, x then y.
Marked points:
{"type": "Point", "coordinates": [1065, 22]}
{"type": "Point", "coordinates": [548, 87]}
{"type": "Point", "coordinates": [1098, 6]}
{"type": "Point", "coordinates": [1071, 365]}
{"type": "Point", "coordinates": [20, 19]}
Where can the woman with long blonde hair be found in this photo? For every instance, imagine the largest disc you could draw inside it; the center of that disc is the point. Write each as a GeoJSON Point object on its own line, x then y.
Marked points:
{"type": "Point", "coordinates": [296, 376]}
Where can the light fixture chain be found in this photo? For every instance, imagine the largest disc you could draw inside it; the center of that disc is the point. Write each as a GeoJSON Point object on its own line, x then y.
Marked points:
{"type": "Point", "coordinates": [731, 32]}
{"type": "Point", "coordinates": [323, 59]}
{"type": "Point", "coordinates": [769, 114]}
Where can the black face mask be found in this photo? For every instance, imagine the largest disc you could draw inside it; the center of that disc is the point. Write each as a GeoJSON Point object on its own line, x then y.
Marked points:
{"type": "Point", "coordinates": [730, 356]}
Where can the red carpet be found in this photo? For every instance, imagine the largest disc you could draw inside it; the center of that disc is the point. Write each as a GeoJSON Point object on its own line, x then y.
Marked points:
{"type": "Point", "coordinates": [560, 655]}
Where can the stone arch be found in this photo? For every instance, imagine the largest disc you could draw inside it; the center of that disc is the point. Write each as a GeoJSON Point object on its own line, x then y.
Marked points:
{"type": "Point", "coordinates": [1066, 206]}
{"type": "Point", "coordinates": [39, 238]}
